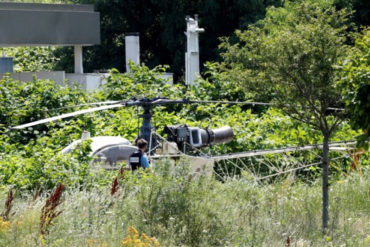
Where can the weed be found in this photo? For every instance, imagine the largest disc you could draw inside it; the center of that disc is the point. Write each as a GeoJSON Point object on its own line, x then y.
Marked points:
{"type": "Point", "coordinates": [114, 187]}
{"type": "Point", "coordinates": [49, 212]}
{"type": "Point", "coordinates": [8, 204]}
{"type": "Point", "coordinates": [135, 240]}
{"type": "Point", "coordinates": [202, 212]}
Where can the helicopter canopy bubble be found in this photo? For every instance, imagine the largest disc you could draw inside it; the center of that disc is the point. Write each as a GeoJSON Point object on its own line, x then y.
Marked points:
{"type": "Point", "coordinates": [98, 143]}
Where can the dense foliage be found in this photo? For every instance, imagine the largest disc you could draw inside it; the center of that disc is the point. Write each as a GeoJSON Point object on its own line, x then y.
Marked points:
{"type": "Point", "coordinates": [29, 158]}
{"type": "Point", "coordinates": [161, 25]}
{"type": "Point", "coordinates": [355, 84]}
{"type": "Point", "coordinates": [290, 56]}
{"type": "Point", "coordinates": [31, 58]}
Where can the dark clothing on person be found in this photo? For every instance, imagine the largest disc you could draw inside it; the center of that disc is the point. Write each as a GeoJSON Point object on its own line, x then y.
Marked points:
{"type": "Point", "coordinates": [138, 159]}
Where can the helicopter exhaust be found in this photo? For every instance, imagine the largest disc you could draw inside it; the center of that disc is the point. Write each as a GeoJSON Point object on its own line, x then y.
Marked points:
{"type": "Point", "coordinates": [217, 136]}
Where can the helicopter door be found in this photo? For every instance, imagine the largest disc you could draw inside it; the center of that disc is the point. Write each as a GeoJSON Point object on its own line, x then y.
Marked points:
{"type": "Point", "coordinates": [110, 156]}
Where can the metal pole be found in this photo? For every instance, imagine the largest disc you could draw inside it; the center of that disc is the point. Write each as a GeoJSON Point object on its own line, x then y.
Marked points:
{"type": "Point", "coordinates": [192, 49]}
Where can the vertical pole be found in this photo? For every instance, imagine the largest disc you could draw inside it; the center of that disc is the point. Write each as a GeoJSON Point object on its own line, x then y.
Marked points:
{"type": "Point", "coordinates": [192, 49]}
{"type": "Point", "coordinates": [78, 59]}
{"type": "Point", "coordinates": [147, 127]}
{"type": "Point", "coordinates": [132, 49]}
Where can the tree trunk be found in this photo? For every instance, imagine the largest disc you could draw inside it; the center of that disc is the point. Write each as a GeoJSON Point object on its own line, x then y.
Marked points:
{"type": "Point", "coordinates": [325, 184]}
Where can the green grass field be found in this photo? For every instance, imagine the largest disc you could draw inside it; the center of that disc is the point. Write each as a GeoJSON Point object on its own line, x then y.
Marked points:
{"type": "Point", "coordinates": [178, 211]}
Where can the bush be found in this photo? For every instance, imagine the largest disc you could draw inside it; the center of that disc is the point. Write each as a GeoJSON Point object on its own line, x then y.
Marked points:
{"type": "Point", "coordinates": [30, 157]}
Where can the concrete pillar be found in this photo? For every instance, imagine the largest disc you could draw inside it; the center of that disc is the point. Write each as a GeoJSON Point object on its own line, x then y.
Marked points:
{"type": "Point", "coordinates": [192, 49]}
{"type": "Point", "coordinates": [132, 49]}
{"type": "Point", "coordinates": [78, 60]}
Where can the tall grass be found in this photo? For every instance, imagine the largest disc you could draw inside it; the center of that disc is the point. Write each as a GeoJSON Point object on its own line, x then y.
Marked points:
{"type": "Point", "coordinates": [179, 211]}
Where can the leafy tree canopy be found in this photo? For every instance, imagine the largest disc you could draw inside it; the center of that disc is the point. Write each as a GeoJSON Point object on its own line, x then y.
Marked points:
{"type": "Point", "coordinates": [31, 58]}
{"type": "Point", "coordinates": [289, 57]}
{"type": "Point", "coordinates": [161, 25]}
{"type": "Point", "coordinates": [355, 85]}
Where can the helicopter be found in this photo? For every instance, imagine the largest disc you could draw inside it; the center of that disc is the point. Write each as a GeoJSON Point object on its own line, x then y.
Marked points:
{"type": "Point", "coordinates": [181, 141]}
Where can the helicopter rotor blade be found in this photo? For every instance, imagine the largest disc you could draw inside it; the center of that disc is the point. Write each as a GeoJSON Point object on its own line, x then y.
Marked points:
{"type": "Point", "coordinates": [229, 102]}
{"type": "Point", "coordinates": [187, 101]}
{"type": "Point", "coordinates": [169, 101]}
{"type": "Point", "coordinates": [72, 114]}
{"type": "Point", "coordinates": [245, 103]}
{"type": "Point", "coordinates": [86, 104]}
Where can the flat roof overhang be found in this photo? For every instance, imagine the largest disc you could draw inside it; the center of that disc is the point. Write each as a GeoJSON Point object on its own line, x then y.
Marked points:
{"type": "Point", "coordinates": [28, 24]}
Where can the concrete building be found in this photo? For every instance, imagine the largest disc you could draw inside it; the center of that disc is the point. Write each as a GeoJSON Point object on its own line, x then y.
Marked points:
{"type": "Point", "coordinates": [30, 24]}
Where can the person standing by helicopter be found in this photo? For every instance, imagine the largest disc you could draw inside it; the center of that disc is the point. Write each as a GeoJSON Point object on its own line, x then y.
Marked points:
{"type": "Point", "coordinates": [138, 158]}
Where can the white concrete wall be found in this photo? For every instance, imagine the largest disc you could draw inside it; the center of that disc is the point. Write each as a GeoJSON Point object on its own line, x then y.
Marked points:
{"type": "Point", "coordinates": [168, 77]}
{"type": "Point", "coordinates": [56, 76]}
{"type": "Point", "coordinates": [88, 82]}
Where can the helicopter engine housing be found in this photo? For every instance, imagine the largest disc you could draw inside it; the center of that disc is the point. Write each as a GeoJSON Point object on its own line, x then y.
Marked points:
{"type": "Point", "coordinates": [184, 135]}
{"type": "Point", "coordinates": [217, 136]}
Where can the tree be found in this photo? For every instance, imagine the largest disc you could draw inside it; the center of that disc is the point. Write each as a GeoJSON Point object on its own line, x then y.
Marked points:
{"type": "Point", "coordinates": [289, 56]}
{"type": "Point", "coordinates": [361, 7]}
{"type": "Point", "coordinates": [161, 24]}
{"type": "Point", "coordinates": [355, 85]}
{"type": "Point", "coordinates": [31, 58]}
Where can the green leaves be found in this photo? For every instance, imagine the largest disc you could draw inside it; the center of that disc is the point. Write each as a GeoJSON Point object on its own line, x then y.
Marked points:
{"type": "Point", "coordinates": [24, 102]}
{"type": "Point", "coordinates": [140, 82]}
{"type": "Point", "coordinates": [355, 85]}
{"type": "Point", "coordinates": [31, 58]}
{"type": "Point", "coordinates": [30, 157]}
{"type": "Point", "coordinates": [289, 57]}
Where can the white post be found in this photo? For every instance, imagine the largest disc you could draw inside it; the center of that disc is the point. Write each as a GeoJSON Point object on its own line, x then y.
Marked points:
{"type": "Point", "coordinates": [132, 49]}
{"type": "Point", "coordinates": [78, 60]}
{"type": "Point", "coordinates": [192, 49]}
